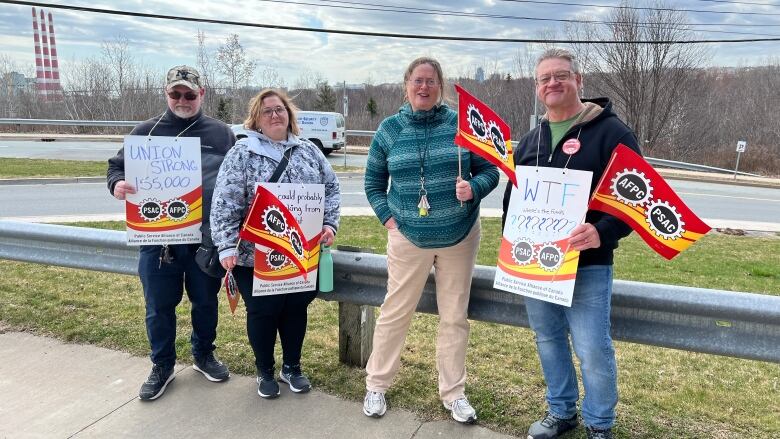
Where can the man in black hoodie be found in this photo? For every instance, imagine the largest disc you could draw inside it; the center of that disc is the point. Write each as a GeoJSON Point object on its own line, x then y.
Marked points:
{"type": "Point", "coordinates": [596, 130]}
{"type": "Point", "coordinates": [166, 270]}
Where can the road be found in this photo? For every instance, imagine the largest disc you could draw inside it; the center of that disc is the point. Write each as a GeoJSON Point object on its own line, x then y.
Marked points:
{"type": "Point", "coordinates": [101, 151]}
{"type": "Point", "coordinates": [711, 201]}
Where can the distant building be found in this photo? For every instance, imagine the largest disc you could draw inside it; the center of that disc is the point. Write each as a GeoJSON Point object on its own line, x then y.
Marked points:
{"type": "Point", "coordinates": [479, 76]}
{"type": "Point", "coordinates": [15, 83]}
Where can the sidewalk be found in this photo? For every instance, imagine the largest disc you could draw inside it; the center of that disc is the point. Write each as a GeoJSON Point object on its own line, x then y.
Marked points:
{"type": "Point", "coordinates": [56, 390]}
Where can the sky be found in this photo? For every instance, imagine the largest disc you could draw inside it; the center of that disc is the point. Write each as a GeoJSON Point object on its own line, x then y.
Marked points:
{"type": "Point", "coordinates": [158, 44]}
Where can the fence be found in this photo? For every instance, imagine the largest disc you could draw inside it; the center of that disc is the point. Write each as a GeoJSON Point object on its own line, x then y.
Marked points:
{"type": "Point", "coordinates": [743, 325]}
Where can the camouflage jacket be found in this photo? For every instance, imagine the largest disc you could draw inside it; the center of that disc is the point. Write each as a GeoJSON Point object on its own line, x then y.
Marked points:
{"type": "Point", "coordinates": [253, 160]}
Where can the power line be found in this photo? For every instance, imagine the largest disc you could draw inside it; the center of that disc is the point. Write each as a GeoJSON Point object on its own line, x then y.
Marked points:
{"type": "Point", "coordinates": [371, 34]}
{"type": "Point", "coordinates": [641, 8]}
{"type": "Point", "coordinates": [739, 3]}
{"type": "Point", "coordinates": [413, 10]}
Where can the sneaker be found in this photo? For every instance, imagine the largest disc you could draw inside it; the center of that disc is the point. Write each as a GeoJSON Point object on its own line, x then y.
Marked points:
{"type": "Point", "coordinates": [462, 411]}
{"type": "Point", "coordinates": [599, 434]}
{"type": "Point", "coordinates": [292, 375]}
{"type": "Point", "coordinates": [155, 385]}
{"type": "Point", "coordinates": [551, 427]}
{"type": "Point", "coordinates": [211, 368]}
{"type": "Point", "coordinates": [374, 404]}
{"type": "Point", "coordinates": [267, 387]}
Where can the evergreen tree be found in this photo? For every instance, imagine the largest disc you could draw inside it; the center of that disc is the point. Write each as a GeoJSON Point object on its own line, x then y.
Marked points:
{"type": "Point", "coordinates": [371, 107]}
{"type": "Point", "coordinates": [326, 98]}
{"type": "Point", "coordinates": [224, 110]}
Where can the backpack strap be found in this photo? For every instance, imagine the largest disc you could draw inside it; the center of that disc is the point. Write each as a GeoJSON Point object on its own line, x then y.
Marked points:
{"type": "Point", "coordinates": [282, 165]}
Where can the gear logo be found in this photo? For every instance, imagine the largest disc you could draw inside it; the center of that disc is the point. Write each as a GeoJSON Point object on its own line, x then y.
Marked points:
{"type": "Point", "coordinates": [274, 221]}
{"type": "Point", "coordinates": [296, 243]}
{"type": "Point", "coordinates": [276, 260]}
{"type": "Point", "coordinates": [499, 143]}
{"type": "Point", "coordinates": [523, 251]}
{"type": "Point", "coordinates": [550, 257]}
{"type": "Point", "coordinates": [476, 122]}
{"type": "Point", "coordinates": [664, 220]}
{"type": "Point", "coordinates": [632, 188]}
{"type": "Point", "coordinates": [177, 210]}
{"type": "Point", "coordinates": [150, 209]}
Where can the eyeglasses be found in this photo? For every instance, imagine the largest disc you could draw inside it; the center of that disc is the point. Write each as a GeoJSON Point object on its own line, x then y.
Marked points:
{"type": "Point", "coordinates": [269, 112]}
{"type": "Point", "coordinates": [176, 95]}
{"type": "Point", "coordinates": [420, 81]}
{"type": "Point", "coordinates": [563, 75]}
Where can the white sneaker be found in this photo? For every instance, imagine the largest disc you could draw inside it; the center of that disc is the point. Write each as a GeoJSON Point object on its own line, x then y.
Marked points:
{"type": "Point", "coordinates": [462, 411]}
{"type": "Point", "coordinates": [374, 404]}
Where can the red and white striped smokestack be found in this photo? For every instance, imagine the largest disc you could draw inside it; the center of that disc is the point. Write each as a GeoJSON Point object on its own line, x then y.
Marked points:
{"type": "Point", "coordinates": [40, 81]}
{"type": "Point", "coordinates": [55, 67]}
{"type": "Point", "coordinates": [46, 60]}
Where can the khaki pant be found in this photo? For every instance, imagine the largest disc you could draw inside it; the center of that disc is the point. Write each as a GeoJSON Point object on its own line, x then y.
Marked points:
{"type": "Point", "coordinates": [408, 267]}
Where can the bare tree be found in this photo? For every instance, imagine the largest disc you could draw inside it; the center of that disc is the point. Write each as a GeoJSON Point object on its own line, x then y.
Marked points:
{"type": "Point", "coordinates": [644, 80]}
{"type": "Point", "coordinates": [234, 64]}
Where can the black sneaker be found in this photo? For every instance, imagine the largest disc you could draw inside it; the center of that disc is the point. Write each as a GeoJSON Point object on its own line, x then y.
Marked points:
{"type": "Point", "coordinates": [551, 427]}
{"type": "Point", "coordinates": [211, 368]}
{"type": "Point", "coordinates": [155, 385]}
{"type": "Point", "coordinates": [267, 387]}
{"type": "Point", "coordinates": [292, 375]}
{"type": "Point", "coordinates": [599, 434]}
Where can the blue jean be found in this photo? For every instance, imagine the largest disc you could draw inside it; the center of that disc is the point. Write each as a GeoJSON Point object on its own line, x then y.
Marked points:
{"type": "Point", "coordinates": [164, 285]}
{"type": "Point", "coordinates": [587, 321]}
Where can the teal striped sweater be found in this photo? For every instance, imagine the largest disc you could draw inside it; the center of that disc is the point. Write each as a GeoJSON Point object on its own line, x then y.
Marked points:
{"type": "Point", "coordinates": [394, 161]}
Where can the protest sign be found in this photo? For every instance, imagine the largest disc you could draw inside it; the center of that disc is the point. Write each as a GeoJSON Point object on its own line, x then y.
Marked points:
{"type": "Point", "coordinates": [167, 207]}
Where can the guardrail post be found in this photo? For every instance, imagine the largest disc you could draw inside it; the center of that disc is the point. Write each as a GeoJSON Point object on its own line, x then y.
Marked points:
{"type": "Point", "coordinates": [356, 333]}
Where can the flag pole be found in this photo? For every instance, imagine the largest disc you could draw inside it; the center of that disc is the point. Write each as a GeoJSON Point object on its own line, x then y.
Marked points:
{"type": "Point", "coordinates": [460, 172]}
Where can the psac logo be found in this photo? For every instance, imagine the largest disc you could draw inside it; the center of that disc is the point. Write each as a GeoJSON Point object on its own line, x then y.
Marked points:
{"type": "Point", "coordinates": [152, 209]}
{"type": "Point", "coordinates": [484, 131]}
{"type": "Point", "coordinates": [548, 256]}
{"type": "Point", "coordinates": [632, 188]}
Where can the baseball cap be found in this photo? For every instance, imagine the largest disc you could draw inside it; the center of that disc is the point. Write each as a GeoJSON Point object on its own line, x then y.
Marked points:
{"type": "Point", "coordinates": [183, 75]}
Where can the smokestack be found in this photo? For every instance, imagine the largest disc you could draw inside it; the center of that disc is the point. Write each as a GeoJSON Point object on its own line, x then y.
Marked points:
{"type": "Point", "coordinates": [55, 67]}
{"type": "Point", "coordinates": [40, 81]}
{"type": "Point", "coordinates": [46, 60]}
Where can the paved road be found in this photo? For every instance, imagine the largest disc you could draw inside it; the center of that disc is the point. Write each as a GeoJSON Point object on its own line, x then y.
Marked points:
{"type": "Point", "coordinates": [711, 201]}
{"type": "Point", "coordinates": [89, 150]}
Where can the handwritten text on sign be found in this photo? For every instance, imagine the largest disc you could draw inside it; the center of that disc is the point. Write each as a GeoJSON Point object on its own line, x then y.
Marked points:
{"type": "Point", "coordinates": [167, 207]}
{"type": "Point", "coordinates": [534, 258]}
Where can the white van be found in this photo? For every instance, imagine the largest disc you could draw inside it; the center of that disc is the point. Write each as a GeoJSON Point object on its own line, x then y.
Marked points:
{"type": "Point", "coordinates": [324, 129]}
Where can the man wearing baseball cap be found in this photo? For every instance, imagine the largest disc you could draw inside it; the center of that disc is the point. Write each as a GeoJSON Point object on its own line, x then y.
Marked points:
{"type": "Point", "coordinates": [166, 271]}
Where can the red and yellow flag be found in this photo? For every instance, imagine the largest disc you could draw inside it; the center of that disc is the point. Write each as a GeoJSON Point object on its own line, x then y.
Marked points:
{"type": "Point", "coordinates": [482, 132]}
{"type": "Point", "coordinates": [630, 189]}
{"type": "Point", "coordinates": [271, 224]}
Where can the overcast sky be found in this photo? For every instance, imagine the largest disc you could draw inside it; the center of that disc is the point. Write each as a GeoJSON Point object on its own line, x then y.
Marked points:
{"type": "Point", "coordinates": [160, 44]}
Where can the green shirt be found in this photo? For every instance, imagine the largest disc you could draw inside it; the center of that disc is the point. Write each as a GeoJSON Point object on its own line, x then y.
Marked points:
{"type": "Point", "coordinates": [558, 129]}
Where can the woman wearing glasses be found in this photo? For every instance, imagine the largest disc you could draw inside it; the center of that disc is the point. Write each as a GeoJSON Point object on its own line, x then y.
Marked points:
{"type": "Point", "coordinates": [431, 212]}
{"type": "Point", "coordinates": [271, 133]}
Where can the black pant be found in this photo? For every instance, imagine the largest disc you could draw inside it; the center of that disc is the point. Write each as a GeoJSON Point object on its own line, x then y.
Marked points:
{"type": "Point", "coordinates": [164, 285]}
{"type": "Point", "coordinates": [285, 313]}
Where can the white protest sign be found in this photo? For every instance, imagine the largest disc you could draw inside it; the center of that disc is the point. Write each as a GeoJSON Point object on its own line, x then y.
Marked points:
{"type": "Point", "coordinates": [167, 207]}
{"type": "Point", "coordinates": [274, 272]}
{"type": "Point", "coordinates": [534, 259]}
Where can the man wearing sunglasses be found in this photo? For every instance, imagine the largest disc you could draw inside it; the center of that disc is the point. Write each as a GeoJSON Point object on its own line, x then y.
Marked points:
{"type": "Point", "coordinates": [167, 270]}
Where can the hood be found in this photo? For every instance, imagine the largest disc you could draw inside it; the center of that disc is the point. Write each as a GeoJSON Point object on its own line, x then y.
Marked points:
{"type": "Point", "coordinates": [258, 143]}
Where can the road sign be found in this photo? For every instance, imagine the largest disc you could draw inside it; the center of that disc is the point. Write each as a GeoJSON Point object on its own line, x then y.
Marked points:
{"type": "Point", "coordinates": [741, 146]}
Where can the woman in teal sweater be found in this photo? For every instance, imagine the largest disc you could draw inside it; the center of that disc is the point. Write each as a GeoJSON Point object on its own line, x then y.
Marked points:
{"type": "Point", "coordinates": [431, 212]}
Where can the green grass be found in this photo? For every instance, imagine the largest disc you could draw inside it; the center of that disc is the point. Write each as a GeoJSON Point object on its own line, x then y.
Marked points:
{"type": "Point", "coordinates": [663, 393]}
{"type": "Point", "coordinates": [27, 168]}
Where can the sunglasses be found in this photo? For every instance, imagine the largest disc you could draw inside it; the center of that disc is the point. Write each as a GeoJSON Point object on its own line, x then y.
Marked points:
{"type": "Point", "coordinates": [176, 95]}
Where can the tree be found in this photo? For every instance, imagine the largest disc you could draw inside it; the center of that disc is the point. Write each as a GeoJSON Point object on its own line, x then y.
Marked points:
{"type": "Point", "coordinates": [326, 98]}
{"type": "Point", "coordinates": [225, 110]}
{"type": "Point", "coordinates": [371, 107]}
{"type": "Point", "coordinates": [233, 63]}
{"type": "Point", "coordinates": [644, 80]}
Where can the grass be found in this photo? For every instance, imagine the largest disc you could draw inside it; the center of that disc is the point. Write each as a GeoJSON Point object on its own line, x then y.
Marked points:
{"type": "Point", "coordinates": [664, 393]}
{"type": "Point", "coordinates": [27, 168]}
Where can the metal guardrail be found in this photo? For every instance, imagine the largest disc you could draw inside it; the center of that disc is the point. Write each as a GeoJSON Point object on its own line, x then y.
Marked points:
{"type": "Point", "coordinates": [743, 325]}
